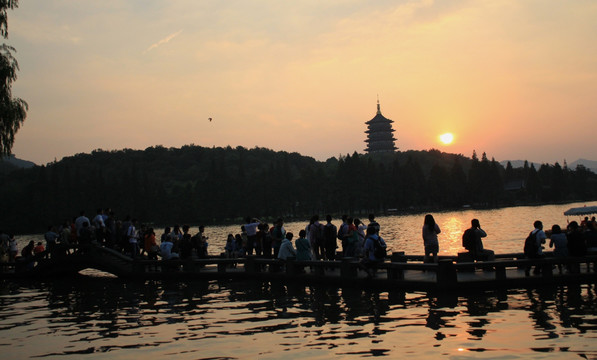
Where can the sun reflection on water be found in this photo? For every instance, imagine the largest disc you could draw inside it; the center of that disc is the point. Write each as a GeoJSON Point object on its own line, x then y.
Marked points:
{"type": "Point", "coordinates": [251, 319]}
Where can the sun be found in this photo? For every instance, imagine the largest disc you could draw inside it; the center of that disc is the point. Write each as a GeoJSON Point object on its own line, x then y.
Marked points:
{"type": "Point", "coordinates": [446, 138]}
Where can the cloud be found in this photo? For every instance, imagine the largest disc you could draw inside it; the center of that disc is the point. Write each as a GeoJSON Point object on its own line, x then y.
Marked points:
{"type": "Point", "coordinates": [163, 41]}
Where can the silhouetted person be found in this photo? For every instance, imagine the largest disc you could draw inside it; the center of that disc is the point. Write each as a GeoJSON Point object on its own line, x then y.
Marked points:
{"type": "Point", "coordinates": [430, 231]}
{"type": "Point", "coordinates": [471, 240]}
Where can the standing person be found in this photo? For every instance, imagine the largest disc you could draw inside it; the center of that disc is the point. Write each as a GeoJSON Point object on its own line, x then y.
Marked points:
{"type": "Point", "coordinates": [85, 236]}
{"type": "Point", "coordinates": [123, 241]}
{"type": "Point", "coordinates": [80, 221]}
{"type": "Point", "coordinates": [251, 229]}
{"type": "Point", "coordinates": [186, 244]}
{"type": "Point", "coordinates": [303, 247]}
{"type": "Point", "coordinates": [165, 235]}
{"type": "Point", "coordinates": [245, 239]}
{"type": "Point", "coordinates": [13, 250]}
{"type": "Point", "coordinates": [361, 230]}
{"type": "Point", "coordinates": [110, 223]}
{"type": "Point", "coordinates": [202, 244]}
{"type": "Point", "coordinates": [430, 231]}
{"type": "Point", "coordinates": [375, 248]}
{"type": "Point", "coordinates": [278, 235]}
{"type": "Point", "coordinates": [259, 240]}
{"type": "Point", "coordinates": [175, 237]}
{"type": "Point", "coordinates": [559, 240]}
{"type": "Point", "coordinates": [133, 237]}
{"type": "Point", "coordinates": [329, 234]}
{"type": "Point", "coordinates": [352, 239]}
{"type": "Point", "coordinates": [373, 223]}
{"type": "Point", "coordinates": [315, 237]}
{"type": "Point", "coordinates": [343, 233]}
{"type": "Point", "coordinates": [286, 248]}
{"type": "Point", "coordinates": [100, 226]}
{"type": "Point", "coordinates": [51, 237]}
{"type": "Point", "coordinates": [533, 248]}
{"type": "Point", "coordinates": [65, 237]}
{"type": "Point", "coordinates": [471, 240]}
{"type": "Point", "coordinates": [264, 241]}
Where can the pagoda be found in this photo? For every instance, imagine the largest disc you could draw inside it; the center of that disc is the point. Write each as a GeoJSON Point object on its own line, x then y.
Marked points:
{"type": "Point", "coordinates": [379, 134]}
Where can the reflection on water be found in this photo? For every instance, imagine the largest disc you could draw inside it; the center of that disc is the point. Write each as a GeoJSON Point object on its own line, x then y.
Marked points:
{"type": "Point", "coordinates": [101, 317]}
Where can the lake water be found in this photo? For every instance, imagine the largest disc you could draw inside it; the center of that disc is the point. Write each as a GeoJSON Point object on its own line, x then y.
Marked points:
{"type": "Point", "coordinates": [100, 317]}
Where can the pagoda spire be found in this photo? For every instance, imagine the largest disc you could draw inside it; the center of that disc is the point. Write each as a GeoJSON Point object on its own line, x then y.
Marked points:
{"type": "Point", "coordinates": [378, 108]}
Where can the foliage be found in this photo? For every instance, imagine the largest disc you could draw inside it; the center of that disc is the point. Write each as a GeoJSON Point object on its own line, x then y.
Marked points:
{"type": "Point", "coordinates": [13, 111]}
{"type": "Point", "coordinates": [195, 185]}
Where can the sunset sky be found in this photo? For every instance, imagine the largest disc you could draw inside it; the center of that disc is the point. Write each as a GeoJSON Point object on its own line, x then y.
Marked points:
{"type": "Point", "coordinates": [514, 79]}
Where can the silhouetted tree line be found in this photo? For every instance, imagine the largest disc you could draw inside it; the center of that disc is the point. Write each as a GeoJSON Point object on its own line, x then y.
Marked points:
{"type": "Point", "coordinates": [195, 184]}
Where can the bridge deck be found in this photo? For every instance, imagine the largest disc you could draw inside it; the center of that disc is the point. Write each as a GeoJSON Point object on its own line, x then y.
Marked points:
{"type": "Point", "coordinates": [404, 272]}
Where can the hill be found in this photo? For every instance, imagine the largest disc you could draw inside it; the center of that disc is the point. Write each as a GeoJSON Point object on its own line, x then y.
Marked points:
{"type": "Point", "coordinates": [11, 163]}
{"type": "Point", "coordinates": [589, 164]}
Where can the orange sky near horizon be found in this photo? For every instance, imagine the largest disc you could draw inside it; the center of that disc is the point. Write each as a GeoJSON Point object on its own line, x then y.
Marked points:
{"type": "Point", "coordinates": [517, 80]}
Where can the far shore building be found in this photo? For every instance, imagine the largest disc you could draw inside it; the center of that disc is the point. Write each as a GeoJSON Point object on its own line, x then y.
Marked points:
{"type": "Point", "coordinates": [380, 137]}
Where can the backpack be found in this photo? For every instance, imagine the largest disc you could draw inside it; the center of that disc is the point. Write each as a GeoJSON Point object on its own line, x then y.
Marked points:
{"type": "Point", "coordinates": [530, 245]}
{"type": "Point", "coordinates": [468, 239]}
{"type": "Point", "coordinates": [379, 251]}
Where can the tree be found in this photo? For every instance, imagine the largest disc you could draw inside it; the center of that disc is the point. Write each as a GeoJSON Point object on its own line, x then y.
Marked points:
{"type": "Point", "coordinates": [13, 111]}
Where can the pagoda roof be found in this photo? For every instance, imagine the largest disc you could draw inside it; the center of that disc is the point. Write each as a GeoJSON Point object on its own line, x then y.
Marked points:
{"type": "Point", "coordinates": [379, 118]}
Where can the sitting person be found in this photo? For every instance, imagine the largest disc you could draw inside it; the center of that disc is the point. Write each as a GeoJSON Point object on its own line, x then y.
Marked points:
{"type": "Point", "coordinates": [286, 248]}
{"type": "Point", "coordinates": [166, 250]}
{"type": "Point", "coordinates": [28, 251]}
{"type": "Point", "coordinates": [590, 236]}
{"type": "Point", "coordinates": [29, 256]}
{"type": "Point", "coordinates": [533, 246]}
{"type": "Point", "coordinates": [559, 240]}
{"type": "Point", "coordinates": [374, 251]}
{"type": "Point", "coordinates": [471, 240]}
{"type": "Point", "coordinates": [39, 249]}
{"type": "Point", "coordinates": [229, 247]}
{"type": "Point", "coordinates": [576, 242]}
{"type": "Point", "coordinates": [151, 246]}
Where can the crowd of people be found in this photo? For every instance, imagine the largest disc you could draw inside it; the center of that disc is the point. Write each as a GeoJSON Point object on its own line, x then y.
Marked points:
{"type": "Point", "coordinates": [318, 241]}
{"type": "Point", "coordinates": [125, 235]}
{"type": "Point", "coordinates": [577, 240]}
